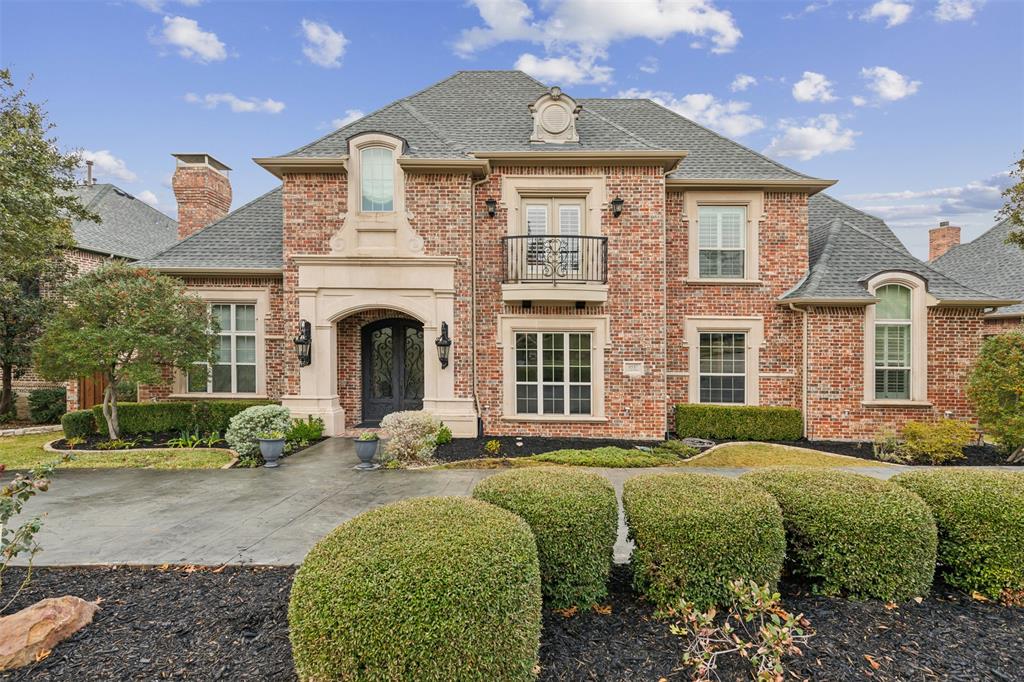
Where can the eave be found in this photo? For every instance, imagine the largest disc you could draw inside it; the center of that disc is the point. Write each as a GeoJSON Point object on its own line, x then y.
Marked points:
{"type": "Point", "coordinates": [819, 301]}
{"type": "Point", "coordinates": [478, 167]}
{"type": "Point", "coordinates": [180, 270]}
{"type": "Point", "coordinates": [809, 185]}
{"type": "Point", "coordinates": [667, 159]}
{"type": "Point", "coordinates": [280, 165]}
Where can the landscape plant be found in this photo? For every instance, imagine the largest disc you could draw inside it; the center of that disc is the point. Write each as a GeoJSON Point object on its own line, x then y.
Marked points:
{"type": "Point", "coordinates": [302, 432]}
{"type": "Point", "coordinates": [411, 437]}
{"type": "Point", "coordinates": [47, 405]}
{"type": "Point", "coordinates": [934, 443]}
{"type": "Point", "coordinates": [996, 388]}
{"type": "Point", "coordinates": [246, 427]}
{"type": "Point", "coordinates": [1013, 209]}
{"type": "Point", "coordinates": [574, 518]}
{"type": "Point", "coordinates": [738, 422]}
{"type": "Point", "coordinates": [125, 323]}
{"type": "Point", "coordinates": [78, 424]}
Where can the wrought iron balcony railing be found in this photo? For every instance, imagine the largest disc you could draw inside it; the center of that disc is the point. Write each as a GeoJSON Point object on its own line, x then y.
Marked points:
{"type": "Point", "coordinates": [551, 258]}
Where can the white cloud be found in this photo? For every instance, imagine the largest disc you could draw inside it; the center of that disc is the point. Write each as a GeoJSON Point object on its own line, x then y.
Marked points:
{"type": "Point", "coordinates": [889, 85]}
{"type": "Point", "coordinates": [729, 118]}
{"type": "Point", "coordinates": [813, 87]}
{"type": "Point", "coordinates": [564, 70]}
{"type": "Point", "coordinates": [809, 9]}
{"type": "Point", "coordinates": [158, 5]}
{"type": "Point", "coordinates": [324, 46]}
{"type": "Point", "coordinates": [212, 100]}
{"type": "Point", "coordinates": [649, 65]}
{"type": "Point", "coordinates": [957, 10]}
{"type": "Point", "coordinates": [148, 197]}
{"type": "Point", "coordinates": [893, 11]}
{"type": "Point", "coordinates": [350, 116]}
{"type": "Point", "coordinates": [822, 134]}
{"type": "Point", "coordinates": [105, 163]}
{"type": "Point", "coordinates": [191, 41]}
{"type": "Point", "coordinates": [741, 82]}
{"type": "Point", "coordinates": [972, 197]}
{"type": "Point", "coordinates": [858, 101]}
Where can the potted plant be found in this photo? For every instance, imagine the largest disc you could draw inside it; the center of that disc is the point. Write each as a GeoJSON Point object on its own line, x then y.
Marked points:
{"type": "Point", "coordinates": [366, 448]}
{"type": "Point", "coordinates": [271, 447]}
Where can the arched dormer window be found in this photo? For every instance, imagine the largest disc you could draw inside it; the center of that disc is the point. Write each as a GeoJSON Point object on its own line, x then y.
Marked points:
{"type": "Point", "coordinates": [377, 167]}
{"type": "Point", "coordinates": [896, 340]}
{"type": "Point", "coordinates": [376, 181]}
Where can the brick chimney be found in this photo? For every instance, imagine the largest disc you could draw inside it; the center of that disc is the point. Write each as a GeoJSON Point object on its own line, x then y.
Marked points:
{"type": "Point", "coordinates": [941, 239]}
{"type": "Point", "coordinates": [203, 191]}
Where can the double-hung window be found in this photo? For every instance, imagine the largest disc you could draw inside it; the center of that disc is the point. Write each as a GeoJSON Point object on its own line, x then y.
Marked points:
{"type": "Point", "coordinates": [553, 228]}
{"type": "Point", "coordinates": [892, 342]}
{"type": "Point", "coordinates": [235, 368]}
{"type": "Point", "coordinates": [722, 242]}
{"type": "Point", "coordinates": [553, 373]}
{"type": "Point", "coordinates": [723, 367]}
{"type": "Point", "coordinates": [377, 175]}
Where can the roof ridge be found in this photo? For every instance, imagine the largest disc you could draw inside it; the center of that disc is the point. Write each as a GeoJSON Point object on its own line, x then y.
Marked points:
{"type": "Point", "coordinates": [620, 127]}
{"type": "Point", "coordinates": [434, 129]}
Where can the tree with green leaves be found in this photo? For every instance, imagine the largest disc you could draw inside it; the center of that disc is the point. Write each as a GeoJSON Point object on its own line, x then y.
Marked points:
{"type": "Point", "coordinates": [128, 324]}
{"type": "Point", "coordinates": [996, 387]}
{"type": "Point", "coordinates": [1014, 208]}
{"type": "Point", "coordinates": [36, 211]}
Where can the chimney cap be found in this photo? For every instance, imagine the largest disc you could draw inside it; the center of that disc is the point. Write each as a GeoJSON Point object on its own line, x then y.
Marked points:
{"type": "Point", "coordinates": [189, 159]}
{"type": "Point", "coordinates": [943, 223]}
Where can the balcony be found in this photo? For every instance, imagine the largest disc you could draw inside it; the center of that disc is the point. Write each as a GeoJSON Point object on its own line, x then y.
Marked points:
{"type": "Point", "coordinates": [562, 269]}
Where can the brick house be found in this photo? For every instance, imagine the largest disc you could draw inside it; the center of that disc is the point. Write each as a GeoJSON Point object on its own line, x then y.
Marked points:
{"type": "Point", "coordinates": [987, 263]}
{"type": "Point", "coordinates": [129, 229]}
{"type": "Point", "coordinates": [592, 262]}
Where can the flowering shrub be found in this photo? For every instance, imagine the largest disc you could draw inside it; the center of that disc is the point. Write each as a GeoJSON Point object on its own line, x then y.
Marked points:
{"type": "Point", "coordinates": [411, 436]}
{"type": "Point", "coordinates": [245, 428]}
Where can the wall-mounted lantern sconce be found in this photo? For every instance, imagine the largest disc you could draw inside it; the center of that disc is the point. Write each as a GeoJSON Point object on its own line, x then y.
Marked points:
{"type": "Point", "coordinates": [304, 344]}
{"type": "Point", "coordinates": [444, 344]}
{"type": "Point", "coordinates": [492, 207]}
{"type": "Point", "coordinates": [616, 204]}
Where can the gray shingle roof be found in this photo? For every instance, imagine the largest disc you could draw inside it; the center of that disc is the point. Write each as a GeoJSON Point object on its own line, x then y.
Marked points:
{"type": "Point", "coordinates": [128, 227]}
{"type": "Point", "coordinates": [989, 263]}
{"type": "Point", "coordinates": [248, 238]}
{"type": "Point", "coordinates": [848, 247]}
{"type": "Point", "coordinates": [487, 111]}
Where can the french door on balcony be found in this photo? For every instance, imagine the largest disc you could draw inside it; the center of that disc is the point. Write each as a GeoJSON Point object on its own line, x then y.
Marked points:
{"type": "Point", "coordinates": [553, 231]}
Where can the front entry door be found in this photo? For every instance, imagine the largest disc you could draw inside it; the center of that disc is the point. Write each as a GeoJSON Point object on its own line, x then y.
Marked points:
{"type": "Point", "coordinates": [392, 368]}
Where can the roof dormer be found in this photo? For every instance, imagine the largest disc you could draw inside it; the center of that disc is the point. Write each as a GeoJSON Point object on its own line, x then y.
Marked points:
{"type": "Point", "coordinates": [554, 118]}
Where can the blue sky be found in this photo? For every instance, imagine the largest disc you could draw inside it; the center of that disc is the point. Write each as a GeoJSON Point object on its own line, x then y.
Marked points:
{"type": "Point", "coordinates": [917, 108]}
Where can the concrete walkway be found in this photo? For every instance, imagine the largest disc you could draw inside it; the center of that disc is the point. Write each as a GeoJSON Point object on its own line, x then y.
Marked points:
{"type": "Point", "coordinates": [261, 516]}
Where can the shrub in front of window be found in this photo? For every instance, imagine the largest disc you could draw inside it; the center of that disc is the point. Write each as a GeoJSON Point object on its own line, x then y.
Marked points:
{"type": "Point", "coordinates": [996, 388]}
{"type": "Point", "coordinates": [980, 516]}
{"type": "Point", "coordinates": [695, 533]}
{"type": "Point", "coordinates": [423, 589]}
{"type": "Point", "coordinates": [574, 517]}
{"type": "Point", "coordinates": [725, 422]}
{"type": "Point", "coordinates": [47, 405]}
{"type": "Point", "coordinates": [245, 428]}
{"type": "Point", "coordinates": [411, 436]}
{"type": "Point", "coordinates": [853, 535]}
{"type": "Point", "coordinates": [78, 424]}
{"type": "Point", "coordinates": [207, 416]}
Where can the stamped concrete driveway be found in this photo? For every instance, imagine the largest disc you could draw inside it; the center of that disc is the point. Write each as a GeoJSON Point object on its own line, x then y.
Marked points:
{"type": "Point", "coordinates": [260, 516]}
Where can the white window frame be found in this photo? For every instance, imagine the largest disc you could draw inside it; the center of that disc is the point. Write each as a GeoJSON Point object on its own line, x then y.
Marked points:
{"type": "Point", "coordinates": [701, 373]}
{"type": "Point", "coordinates": [754, 204]}
{"type": "Point", "coordinates": [357, 145]}
{"type": "Point", "coordinates": [752, 327]}
{"type": "Point", "coordinates": [387, 153]}
{"type": "Point", "coordinates": [920, 300]}
{"type": "Point", "coordinates": [553, 221]}
{"type": "Point", "coordinates": [233, 334]}
{"type": "Point", "coordinates": [719, 247]}
{"type": "Point", "coordinates": [567, 384]}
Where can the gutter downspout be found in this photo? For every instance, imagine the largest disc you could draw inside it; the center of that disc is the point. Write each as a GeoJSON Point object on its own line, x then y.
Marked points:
{"type": "Point", "coordinates": [472, 296]}
{"type": "Point", "coordinates": [803, 372]}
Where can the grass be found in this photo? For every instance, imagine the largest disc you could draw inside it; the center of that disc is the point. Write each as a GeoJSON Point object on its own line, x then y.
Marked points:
{"type": "Point", "coordinates": [615, 458]}
{"type": "Point", "coordinates": [756, 455]}
{"type": "Point", "coordinates": [26, 452]}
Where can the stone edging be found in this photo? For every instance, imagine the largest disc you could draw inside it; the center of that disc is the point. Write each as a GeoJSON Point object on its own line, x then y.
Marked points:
{"type": "Point", "coordinates": [48, 446]}
{"type": "Point", "coordinates": [788, 447]}
{"type": "Point", "coordinates": [26, 430]}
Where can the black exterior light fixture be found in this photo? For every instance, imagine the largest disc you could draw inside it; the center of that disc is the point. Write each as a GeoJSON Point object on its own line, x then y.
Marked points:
{"type": "Point", "coordinates": [616, 205]}
{"type": "Point", "coordinates": [304, 344]}
{"type": "Point", "coordinates": [492, 207]}
{"type": "Point", "coordinates": [444, 344]}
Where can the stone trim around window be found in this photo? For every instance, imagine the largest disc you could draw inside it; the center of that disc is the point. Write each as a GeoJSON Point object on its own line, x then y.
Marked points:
{"type": "Point", "coordinates": [261, 299]}
{"type": "Point", "coordinates": [754, 202]}
{"type": "Point", "coordinates": [753, 327]}
{"type": "Point", "coordinates": [515, 189]}
{"type": "Point", "coordinates": [920, 301]}
{"type": "Point", "coordinates": [598, 328]}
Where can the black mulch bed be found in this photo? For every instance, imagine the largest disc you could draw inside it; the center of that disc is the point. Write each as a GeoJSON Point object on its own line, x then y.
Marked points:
{"type": "Point", "coordinates": [153, 441]}
{"type": "Point", "coordinates": [460, 449]}
{"type": "Point", "coordinates": [232, 625]}
{"type": "Point", "coordinates": [974, 455]}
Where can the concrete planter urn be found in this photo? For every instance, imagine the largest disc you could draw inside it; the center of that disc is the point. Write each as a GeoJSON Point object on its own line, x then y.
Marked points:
{"type": "Point", "coordinates": [271, 447]}
{"type": "Point", "coordinates": [366, 448]}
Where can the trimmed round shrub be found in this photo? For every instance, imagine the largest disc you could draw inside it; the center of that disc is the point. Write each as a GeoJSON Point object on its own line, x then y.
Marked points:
{"type": "Point", "coordinates": [980, 515]}
{"type": "Point", "coordinates": [245, 428]}
{"type": "Point", "coordinates": [78, 424]}
{"type": "Point", "coordinates": [430, 589]}
{"type": "Point", "coordinates": [574, 516]}
{"type": "Point", "coordinates": [47, 405]}
{"type": "Point", "coordinates": [695, 533]}
{"type": "Point", "coordinates": [853, 535]}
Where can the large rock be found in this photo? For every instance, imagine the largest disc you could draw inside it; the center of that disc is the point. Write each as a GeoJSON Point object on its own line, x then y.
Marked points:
{"type": "Point", "coordinates": [29, 635]}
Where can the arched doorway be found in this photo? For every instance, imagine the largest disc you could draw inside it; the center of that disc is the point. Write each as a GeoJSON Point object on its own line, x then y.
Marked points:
{"type": "Point", "coordinates": [392, 354]}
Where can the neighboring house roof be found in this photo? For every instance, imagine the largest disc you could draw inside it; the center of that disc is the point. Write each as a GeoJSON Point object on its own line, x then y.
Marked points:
{"type": "Point", "coordinates": [128, 227]}
{"type": "Point", "coordinates": [989, 263]}
{"type": "Point", "coordinates": [477, 111]}
{"type": "Point", "coordinates": [248, 238]}
{"type": "Point", "coordinates": [847, 247]}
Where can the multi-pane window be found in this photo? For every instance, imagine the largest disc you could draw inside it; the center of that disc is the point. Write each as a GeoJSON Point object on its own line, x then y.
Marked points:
{"type": "Point", "coordinates": [235, 368]}
{"type": "Point", "coordinates": [545, 219]}
{"type": "Point", "coordinates": [892, 342]}
{"type": "Point", "coordinates": [376, 168]}
{"type": "Point", "coordinates": [723, 367]}
{"type": "Point", "coordinates": [722, 241]}
{"type": "Point", "coordinates": [553, 373]}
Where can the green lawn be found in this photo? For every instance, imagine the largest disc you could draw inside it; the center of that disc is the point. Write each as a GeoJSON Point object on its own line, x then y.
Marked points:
{"type": "Point", "coordinates": [765, 455]}
{"type": "Point", "coordinates": [26, 452]}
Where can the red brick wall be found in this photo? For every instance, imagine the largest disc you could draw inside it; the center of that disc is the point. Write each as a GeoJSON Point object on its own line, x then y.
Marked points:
{"type": "Point", "coordinates": [1002, 325]}
{"type": "Point", "coordinates": [203, 196]}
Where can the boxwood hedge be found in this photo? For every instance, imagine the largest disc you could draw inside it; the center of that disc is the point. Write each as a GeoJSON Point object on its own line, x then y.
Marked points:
{"type": "Point", "coordinates": [695, 532]}
{"type": "Point", "coordinates": [853, 535]}
{"type": "Point", "coordinates": [204, 416]}
{"type": "Point", "coordinates": [78, 424]}
{"type": "Point", "coordinates": [726, 422]}
{"type": "Point", "coordinates": [980, 515]}
{"type": "Point", "coordinates": [424, 589]}
{"type": "Point", "coordinates": [574, 517]}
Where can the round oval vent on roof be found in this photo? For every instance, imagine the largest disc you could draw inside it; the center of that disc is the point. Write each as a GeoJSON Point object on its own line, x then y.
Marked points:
{"type": "Point", "coordinates": [555, 118]}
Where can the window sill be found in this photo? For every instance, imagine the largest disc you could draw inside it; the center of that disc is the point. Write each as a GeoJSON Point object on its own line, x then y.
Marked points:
{"type": "Point", "coordinates": [218, 396]}
{"type": "Point", "coordinates": [896, 403]}
{"type": "Point", "coordinates": [727, 282]}
{"type": "Point", "coordinates": [567, 418]}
